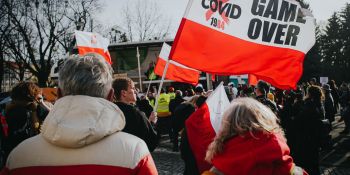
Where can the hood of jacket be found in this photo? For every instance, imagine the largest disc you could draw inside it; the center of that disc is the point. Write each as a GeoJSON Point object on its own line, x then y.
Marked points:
{"type": "Point", "coordinates": [77, 121]}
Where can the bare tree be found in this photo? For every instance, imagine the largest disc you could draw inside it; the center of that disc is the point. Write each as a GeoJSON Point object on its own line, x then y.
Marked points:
{"type": "Point", "coordinates": [3, 26]}
{"type": "Point", "coordinates": [144, 21]}
{"type": "Point", "coordinates": [40, 31]}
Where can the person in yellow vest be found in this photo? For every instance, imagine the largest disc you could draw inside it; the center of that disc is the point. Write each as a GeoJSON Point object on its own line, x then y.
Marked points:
{"type": "Point", "coordinates": [171, 93]}
{"type": "Point", "coordinates": [163, 104]}
{"type": "Point", "coordinates": [164, 119]}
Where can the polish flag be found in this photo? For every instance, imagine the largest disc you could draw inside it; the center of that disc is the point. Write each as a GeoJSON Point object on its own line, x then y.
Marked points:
{"type": "Point", "coordinates": [252, 80]}
{"type": "Point", "coordinates": [176, 71]}
{"type": "Point", "coordinates": [232, 37]}
{"type": "Point", "coordinates": [88, 42]}
{"type": "Point", "coordinates": [204, 123]}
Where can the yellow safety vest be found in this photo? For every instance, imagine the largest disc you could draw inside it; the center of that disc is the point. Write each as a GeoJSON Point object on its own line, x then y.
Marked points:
{"type": "Point", "coordinates": [172, 95]}
{"type": "Point", "coordinates": [163, 105]}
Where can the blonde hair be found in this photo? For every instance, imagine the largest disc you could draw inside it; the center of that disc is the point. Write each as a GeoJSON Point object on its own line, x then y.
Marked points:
{"type": "Point", "coordinates": [242, 116]}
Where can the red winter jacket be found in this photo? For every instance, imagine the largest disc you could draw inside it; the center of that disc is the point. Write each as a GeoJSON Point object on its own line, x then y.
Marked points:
{"type": "Point", "coordinates": [258, 154]}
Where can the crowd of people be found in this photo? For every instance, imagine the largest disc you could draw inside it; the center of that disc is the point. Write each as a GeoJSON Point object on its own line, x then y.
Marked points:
{"type": "Point", "coordinates": [102, 125]}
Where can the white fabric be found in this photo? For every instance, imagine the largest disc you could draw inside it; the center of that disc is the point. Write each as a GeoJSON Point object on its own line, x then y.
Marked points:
{"type": "Point", "coordinates": [164, 55]}
{"type": "Point", "coordinates": [239, 27]}
{"type": "Point", "coordinates": [81, 130]}
{"type": "Point", "coordinates": [76, 121]}
{"type": "Point", "coordinates": [217, 104]}
{"type": "Point", "coordinates": [92, 40]}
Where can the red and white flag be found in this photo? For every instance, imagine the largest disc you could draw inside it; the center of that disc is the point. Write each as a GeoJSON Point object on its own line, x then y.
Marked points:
{"type": "Point", "coordinates": [252, 80]}
{"type": "Point", "coordinates": [204, 123]}
{"type": "Point", "coordinates": [176, 71]}
{"type": "Point", "coordinates": [231, 37]}
{"type": "Point", "coordinates": [88, 42]}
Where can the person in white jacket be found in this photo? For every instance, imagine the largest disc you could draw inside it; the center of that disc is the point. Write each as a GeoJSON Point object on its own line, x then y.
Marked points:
{"type": "Point", "coordinates": [82, 133]}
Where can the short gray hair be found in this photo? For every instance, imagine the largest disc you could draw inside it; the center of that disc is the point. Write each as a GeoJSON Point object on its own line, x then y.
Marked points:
{"type": "Point", "coordinates": [87, 75]}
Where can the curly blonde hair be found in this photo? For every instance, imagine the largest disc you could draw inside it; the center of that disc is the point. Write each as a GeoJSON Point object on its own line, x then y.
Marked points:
{"type": "Point", "coordinates": [242, 116]}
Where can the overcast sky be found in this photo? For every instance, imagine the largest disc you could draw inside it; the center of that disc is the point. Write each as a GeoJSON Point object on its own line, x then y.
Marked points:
{"type": "Point", "coordinates": [174, 9]}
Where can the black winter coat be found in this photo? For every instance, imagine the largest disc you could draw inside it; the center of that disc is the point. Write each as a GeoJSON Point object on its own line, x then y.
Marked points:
{"type": "Point", "coordinates": [138, 125]}
{"type": "Point", "coordinates": [308, 136]}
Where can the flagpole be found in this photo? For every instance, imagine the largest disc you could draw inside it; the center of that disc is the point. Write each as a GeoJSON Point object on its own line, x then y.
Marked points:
{"type": "Point", "coordinates": [160, 85]}
{"type": "Point", "coordinates": [138, 63]}
{"type": "Point", "coordinates": [149, 85]}
{"type": "Point", "coordinates": [209, 82]}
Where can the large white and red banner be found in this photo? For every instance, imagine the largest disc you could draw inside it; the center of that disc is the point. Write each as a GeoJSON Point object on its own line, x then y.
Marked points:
{"type": "Point", "coordinates": [175, 71]}
{"type": "Point", "coordinates": [267, 38]}
{"type": "Point", "coordinates": [204, 123]}
{"type": "Point", "coordinates": [92, 42]}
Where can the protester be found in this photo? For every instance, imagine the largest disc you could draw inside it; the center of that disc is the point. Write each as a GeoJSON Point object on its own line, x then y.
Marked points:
{"type": "Point", "coordinates": [309, 131]}
{"type": "Point", "coordinates": [21, 115]}
{"type": "Point", "coordinates": [335, 94]}
{"type": "Point", "coordinates": [345, 104]}
{"type": "Point", "coordinates": [199, 90]}
{"type": "Point", "coordinates": [187, 154]}
{"type": "Point", "coordinates": [181, 113]}
{"type": "Point", "coordinates": [151, 98]}
{"type": "Point", "coordinates": [164, 114]}
{"type": "Point", "coordinates": [189, 93]}
{"type": "Point", "coordinates": [261, 91]}
{"type": "Point", "coordinates": [174, 103]}
{"type": "Point", "coordinates": [329, 107]}
{"type": "Point", "coordinates": [250, 141]}
{"type": "Point", "coordinates": [82, 133]}
{"type": "Point", "coordinates": [137, 123]}
{"type": "Point", "coordinates": [313, 81]}
{"type": "Point", "coordinates": [232, 91]}
{"type": "Point", "coordinates": [175, 128]}
{"type": "Point", "coordinates": [171, 93]}
{"type": "Point", "coordinates": [296, 109]}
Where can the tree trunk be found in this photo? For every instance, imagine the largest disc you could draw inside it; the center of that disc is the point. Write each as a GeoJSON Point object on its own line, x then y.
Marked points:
{"type": "Point", "coordinates": [43, 79]}
{"type": "Point", "coordinates": [1, 69]}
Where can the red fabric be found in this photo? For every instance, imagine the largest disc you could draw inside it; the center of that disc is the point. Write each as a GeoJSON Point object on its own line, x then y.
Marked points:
{"type": "Point", "coordinates": [144, 167]}
{"type": "Point", "coordinates": [5, 127]}
{"type": "Point", "coordinates": [177, 73]}
{"type": "Point", "coordinates": [208, 50]}
{"type": "Point", "coordinates": [200, 134]}
{"type": "Point", "coordinates": [252, 79]}
{"type": "Point", "coordinates": [5, 171]}
{"type": "Point", "coordinates": [258, 154]}
{"type": "Point", "coordinates": [84, 50]}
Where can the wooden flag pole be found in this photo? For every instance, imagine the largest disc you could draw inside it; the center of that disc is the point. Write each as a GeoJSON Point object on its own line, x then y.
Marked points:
{"type": "Point", "coordinates": [160, 85]}
{"type": "Point", "coordinates": [138, 64]}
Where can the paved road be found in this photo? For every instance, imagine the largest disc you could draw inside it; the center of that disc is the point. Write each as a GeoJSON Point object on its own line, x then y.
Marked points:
{"type": "Point", "coordinates": [334, 161]}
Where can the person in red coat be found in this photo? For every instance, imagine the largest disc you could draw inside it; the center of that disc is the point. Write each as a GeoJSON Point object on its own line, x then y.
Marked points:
{"type": "Point", "coordinates": [250, 142]}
